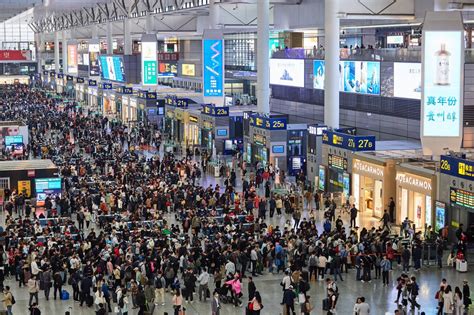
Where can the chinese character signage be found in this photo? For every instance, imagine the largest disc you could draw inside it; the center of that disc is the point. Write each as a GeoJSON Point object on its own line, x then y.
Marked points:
{"type": "Point", "coordinates": [149, 63]}
{"type": "Point", "coordinates": [212, 110]}
{"type": "Point", "coordinates": [442, 68]}
{"type": "Point", "coordinates": [349, 142]}
{"type": "Point", "coordinates": [213, 66]}
{"type": "Point", "coordinates": [15, 55]}
{"type": "Point", "coordinates": [457, 167]}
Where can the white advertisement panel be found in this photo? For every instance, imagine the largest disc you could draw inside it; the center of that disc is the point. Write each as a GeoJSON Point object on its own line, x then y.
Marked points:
{"type": "Point", "coordinates": [288, 72]}
{"type": "Point", "coordinates": [442, 66]}
{"type": "Point", "coordinates": [407, 80]}
{"type": "Point", "coordinates": [149, 63]}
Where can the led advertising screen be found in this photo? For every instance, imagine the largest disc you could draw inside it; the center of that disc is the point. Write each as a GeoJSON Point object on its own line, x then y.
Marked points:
{"type": "Point", "coordinates": [440, 213]}
{"type": "Point", "coordinates": [222, 132]}
{"type": "Point", "coordinates": [278, 149]}
{"type": "Point", "coordinates": [407, 80]}
{"type": "Point", "coordinates": [442, 66]}
{"type": "Point", "coordinates": [322, 178]}
{"type": "Point", "coordinates": [188, 69]}
{"type": "Point", "coordinates": [167, 69]}
{"type": "Point", "coordinates": [287, 72]}
{"type": "Point", "coordinates": [112, 68]}
{"type": "Point", "coordinates": [72, 59]}
{"type": "Point", "coordinates": [47, 187]}
{"type": "Point", "coordinates": [9, 140]}
{"type": "Point", "coordinates": [149, 63]}
{"type": "Point", "coordinates": [213, 67]}
{"type": "Point", "coordinates": [94, 67]}
{"type": "Point", "coordinates": [357, 76]}
{"type": "Point", "coordinates": [395, 40]}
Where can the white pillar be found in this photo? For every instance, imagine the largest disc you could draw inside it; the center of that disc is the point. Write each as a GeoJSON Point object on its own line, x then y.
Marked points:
{"type": "Point", "coordinates": [441, 5]}
{"type": "Point", "coordinates": [64, 40]}
{"type": "Point", "coordinates": [41, 49]}
{"type": "Point", "coordinates": [127, 37]}
{"type": "Point", "coordinates": [110, 40]}
{"type": "Point", "coordinates": [95, 32]}
{"type": "Point", "coordinates": [214, 14]}
{"type": "Point", "coordinates": [56, 52]}
{"type": "Point", "coordinates": [263, 63]}
{"type": "Point", "coordinates": [331, 77]}
{"type": "Point", "coordinates": [149, 23]}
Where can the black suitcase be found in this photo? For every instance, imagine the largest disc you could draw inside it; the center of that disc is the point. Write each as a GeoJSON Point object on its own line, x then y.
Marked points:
{"type": "Point", "coordinates": [325, 304]}
{"type": "Point", "coordinates": [90, 301]}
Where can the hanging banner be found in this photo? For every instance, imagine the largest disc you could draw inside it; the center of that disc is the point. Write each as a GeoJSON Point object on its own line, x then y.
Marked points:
{"type": "Point", "coordinates": [442, 73]}
{"type": "Point", "coordinates": [149, 60]}
{"type": "Point", "coordinates": [213, 67]}
{"type": "Point", "coordinates": [72, 58]}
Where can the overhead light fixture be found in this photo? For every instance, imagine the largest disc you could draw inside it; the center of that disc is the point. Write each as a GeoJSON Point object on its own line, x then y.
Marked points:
{"type": "Point", "coordinates": [381, 26]}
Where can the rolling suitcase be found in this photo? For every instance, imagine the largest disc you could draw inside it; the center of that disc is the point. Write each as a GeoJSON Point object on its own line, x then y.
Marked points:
{"type": "Point", "coordinates": [461, 265]}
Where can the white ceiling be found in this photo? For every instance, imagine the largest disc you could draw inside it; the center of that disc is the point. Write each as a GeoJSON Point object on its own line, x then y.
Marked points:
{"type": "Point", "coordinates": [11, 8]}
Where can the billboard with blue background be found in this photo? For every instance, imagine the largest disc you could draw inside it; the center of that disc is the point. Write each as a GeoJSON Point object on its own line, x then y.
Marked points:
{"type": "Point", "coordinates": [213, 66]}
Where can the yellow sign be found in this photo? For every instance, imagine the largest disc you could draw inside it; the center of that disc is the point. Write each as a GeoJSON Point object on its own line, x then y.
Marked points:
{"type": "Point", "coordinates": [455, 224]}
{"type": "Point", "coordinates": [24, 186]}
{"type": "Point", "coordinates": [258, 122]}
{"type": "Point", "coordinates": [188, 69]}
{"type": "Point", "coordinates": [337, 140]}
{"type": "Point", "coordinates": [178, 114]}
{"type": "Point", "coordinates": [193, 119]}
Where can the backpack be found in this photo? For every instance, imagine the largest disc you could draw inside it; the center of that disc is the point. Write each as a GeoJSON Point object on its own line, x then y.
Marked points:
{"type": "Point", "coordinates": [414, 289]}
{"type": "Point", "coordinates": [158, 283]}
{"type": "Point", "coordinates": [13, 300]}
{"type": "Point", "coordinates": [312, 261]}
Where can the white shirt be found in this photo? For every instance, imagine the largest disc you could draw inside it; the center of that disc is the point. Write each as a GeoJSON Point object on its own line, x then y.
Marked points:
{"type": "Point", "coordinates": [34, 268]}
{"type": "Point", "coordinates": [203, 278]}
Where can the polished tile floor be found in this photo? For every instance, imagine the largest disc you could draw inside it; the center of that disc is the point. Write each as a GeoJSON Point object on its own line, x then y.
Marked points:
{"type": "Point", "coordinates": [381, 298]}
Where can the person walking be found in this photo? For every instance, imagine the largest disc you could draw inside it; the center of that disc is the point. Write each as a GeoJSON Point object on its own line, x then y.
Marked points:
{"type": "Point", "coordinates": [306, 307]}
{"type": "Point", "coordinates": [58, 284]}
{"type": "Point", "coordinates": [177, 302]}
{"type": "Point", "coordinates": [215, 305]}
{"type": "Point", "coordinates": [458, 302]}
{"type": "Point", "coordinates": [47, 282]}
{"type": "Point", "coordinates": [288, 301]}
{"type": "Point", "coordinates": [255, 304]}
{"type": "Point", "coordinates": [466, 295]}
{"type": "Point", "coordinates": [33, 289]}
{"type": "Point", "coordinates": [448, 297]}
{"type": "Point", "coordinates": [8, 300]}
{"type": "Point", "coordinates": [160, 284]}
{"type": "Point", "coordinates": [385, 265]}
{"type": "Point", "coordinates": [203, 281]}
{"type": "Point", "coordinates": [353, 213]}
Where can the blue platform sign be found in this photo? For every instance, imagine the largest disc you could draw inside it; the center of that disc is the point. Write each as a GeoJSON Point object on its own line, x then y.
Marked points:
{"type": "Point", "coordinates": [212, 110]}
{"type": "Point", "coordinates": [92, 83]}
{"type": "Point", "coordinates": [213, 67]}
{"type": "Point", "coordinates": [278, 123]}
{"type": "Point", "coordinates": [349, 142]}
{"type": "Point", "coordinates": [60, 75]}
{"type": "Point", "coordinates": [80, 80]}
{"type": "Point", "coordinates": [106, 86]}
{"type": "Point", "coordinates": [457, 167]}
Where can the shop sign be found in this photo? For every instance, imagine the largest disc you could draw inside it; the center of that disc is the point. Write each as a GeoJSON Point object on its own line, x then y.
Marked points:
{"type": "Point", "coordinates": [24, 186]}
{"type": "Point", "coordinates": [260, 140]}
{"type": "Point", "coordinates": [207, 125]}
{"type": "Point", "coordinates": [316, 130]}
{"type": "Point", "coordinates": [168, 56]}
{"type": "Point", "coordinates": [92, 83]}
{"type": "Point", "coordinates": [193, 119]}
{"type": "Point", "coordinates": [80, 80]}
{"type": "Point", "coordinates": [336, 161]}
{"type": "Point", "coordinates": [367, 168]}
{"type": "Point", "coordinates": [15, 55]}
{"type": "Point", "coordinates": [170, 114]}
{"type": "Point", "coordinates": [413, 181]}
{"type": "Point", "coordinates": [212, 110]}
{"type": "Point", "coordinates": [178, 114]}
{"type": "Point", "coordinates": [349, 142]}
{"type": "Point", "coordinates": [457, 167]}
{"type": "Point", "coordinates": [462, 197]}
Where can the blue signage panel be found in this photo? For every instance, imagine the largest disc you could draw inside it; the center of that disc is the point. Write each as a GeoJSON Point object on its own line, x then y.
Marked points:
{"type": "Point", "coordinates": [106, 86]}
{"type": "Point", "coordinates": [92, 83]}
{"type": "Point", "coordinates": [69, 77]}
{"type": "Point", "coordinates": [172, 100]}
{"type": "Point", "coordinates": [349, 142]}
{"type": "Point", "coordinates": [213, 67]}
{"type": "Point", "coordinates": [80, 80]}
{"type": "Point", "coordinates": [52, 74]}
{"type": "Point", "coordinates": [60, 75]}
{"type": "Point", "coordinates": [263, 122]}
{"type": "Point", "coordinates": [457, 167]}
{"type": "Point", "coordinates": [212, 110]}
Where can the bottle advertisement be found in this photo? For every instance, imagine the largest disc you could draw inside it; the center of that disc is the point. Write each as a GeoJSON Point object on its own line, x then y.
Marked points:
{"type": "Point", "coordinates": [442, 66]}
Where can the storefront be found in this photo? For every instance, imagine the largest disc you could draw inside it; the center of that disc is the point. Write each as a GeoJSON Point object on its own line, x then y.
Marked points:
{"type": "Point", "coordinates": [80, 88]}
{"type": "Point", "coordinates": [109, 108]}
{"type": "Point", "coordinates": [178, 128]}
{"type": "Point", "coordinates": [373, 183]}
{"type": "Point", "coordinates": [92, 92]}
{"type": "Point", "coordinates": [146, 105]}
{"type": "Point", "coordinates": [69, 87]}
{"type": "Point", "coordinates": [416, 194]}
{"type": "Point", "coordinates": [45, 78]}
{"type": "Point", "coordinates": [214, 127]}
{"type": "Point", "coordinates": [192, 130]}
{"type": "Point", "coordinates": [122, 94]}
{"type": "Point", "coordinates": [52, 81]}
{"type": "Point", "coordinates": [60, 83]}
{"type": "Point", "coordinates": [296, 149]}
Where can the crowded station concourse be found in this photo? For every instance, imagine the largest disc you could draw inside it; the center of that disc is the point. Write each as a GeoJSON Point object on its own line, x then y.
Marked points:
{"type": "Point", "coordinates": [236, 157]}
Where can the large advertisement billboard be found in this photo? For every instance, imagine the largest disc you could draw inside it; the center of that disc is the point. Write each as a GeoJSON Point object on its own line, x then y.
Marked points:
{"type": "Point", "coordinates": [149, 63]}
{"type": "Point", "coordinates": [72, 58]}
{"type": "Point", "coordinates": [112, 68]}
{"type": "Point", "coordinates": [213, 67]}
{"type": "Point", "coordinates": [407, 80]}
{"type": "Point", "coordinates": [442, 66]}
{"type": "Point", "coordinates": [361, 77]}
{"type": "Point", "coordinates": [287, 72]}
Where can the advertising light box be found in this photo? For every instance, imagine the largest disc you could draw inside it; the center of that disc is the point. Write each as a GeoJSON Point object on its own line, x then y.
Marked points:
{"type": "Point", "coordinates": [213, 67]}
{"type": "Point", "coordinates": [72, 58]}
{"type": "Point", "coordinates": [188, 69]}
{"type": "Point", "coordinates": [287, 72]}
{"type": "Point", "coordinates": [407, 80]}
{"type": "Point", "coordinates": [361, 77]}
{"type": "Point", "coordinates": [149, 63]}
{"type": "Point", "coordinates": [442, 83]}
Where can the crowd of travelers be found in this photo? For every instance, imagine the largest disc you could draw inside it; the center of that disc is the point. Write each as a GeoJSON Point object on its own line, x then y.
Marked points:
{"type": "Point", "coordinates": [137, 230]}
